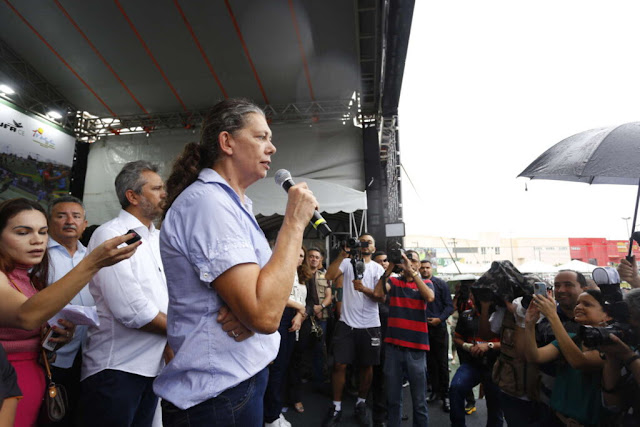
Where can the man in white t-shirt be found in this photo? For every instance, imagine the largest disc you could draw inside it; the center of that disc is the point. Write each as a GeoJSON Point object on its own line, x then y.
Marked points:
{"type": "Point", "coordinates": [357, 334]}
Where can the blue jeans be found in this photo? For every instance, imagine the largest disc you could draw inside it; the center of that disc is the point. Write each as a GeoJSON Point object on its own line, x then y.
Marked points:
{"type": "Point", "coordinates": [468, 376]}
{"type": "Point", "coordinates": [238, 406]}
{"type": "Point", "coordinates": [278, 369]}
{"type": "Point", "coordinates": [117, 398]}
{"type": "Point", "coordinates": [401, 362]}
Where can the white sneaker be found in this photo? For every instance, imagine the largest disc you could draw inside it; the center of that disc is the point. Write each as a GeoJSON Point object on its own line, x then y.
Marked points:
{"type": "Point", "coordinates": [281, 421]}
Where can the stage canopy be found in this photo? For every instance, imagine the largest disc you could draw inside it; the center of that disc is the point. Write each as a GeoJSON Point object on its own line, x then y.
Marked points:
{"type": "Point", "coordinates": [136, 77]}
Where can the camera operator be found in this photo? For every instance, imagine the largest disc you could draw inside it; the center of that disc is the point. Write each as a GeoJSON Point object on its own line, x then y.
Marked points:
{"type": "Point", "coordinates": [357, 334]}
{"type": "Point", "coordinates": [621, 372]}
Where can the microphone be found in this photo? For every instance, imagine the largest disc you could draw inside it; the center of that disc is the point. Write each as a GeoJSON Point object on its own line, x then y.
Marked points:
{"type": "Point", "coordinates": [283, 179]}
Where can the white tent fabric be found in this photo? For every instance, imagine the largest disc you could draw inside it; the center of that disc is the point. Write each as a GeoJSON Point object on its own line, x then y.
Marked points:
{"type": "Point", "coordinates": [579, 266]}
{"type": "Point", "coordinates": [268, 198]}
{"type": "Point", "coordinates": [464, 268]}
{"type": "Point", "coordinates": [327, 155]}
{"type": "Point", "coordinates": [535, 266]}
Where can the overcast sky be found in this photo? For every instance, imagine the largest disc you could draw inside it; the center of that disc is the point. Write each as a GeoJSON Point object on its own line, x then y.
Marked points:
{"type": "Point", "coordinates": [488, 87]}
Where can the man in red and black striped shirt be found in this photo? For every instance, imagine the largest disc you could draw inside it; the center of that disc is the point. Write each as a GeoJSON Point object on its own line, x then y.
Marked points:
{"type": "Point", "coordinates": [407, 338]}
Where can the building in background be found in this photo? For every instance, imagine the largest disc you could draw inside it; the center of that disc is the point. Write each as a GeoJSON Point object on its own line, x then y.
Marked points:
{"type": "Point", "coordinates": [599, 251]}
{"type": "Point", "coordinates": [477, 254]}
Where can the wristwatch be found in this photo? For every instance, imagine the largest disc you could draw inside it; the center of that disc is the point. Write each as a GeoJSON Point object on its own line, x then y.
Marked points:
{"type": "Point", "coordinates": [491, 345]}
{"type": "Point", "coordinates": [323, 306]}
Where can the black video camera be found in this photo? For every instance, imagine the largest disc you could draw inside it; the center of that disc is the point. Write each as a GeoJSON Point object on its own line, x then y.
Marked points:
{"type": "Point", "coordinates": [354, 244]}
{"type": "Point", "coordinates": [596, 336]}
{"type": "Point", "coordinates": [395, 256]}
{"type": "Point", "coordinates": [355, 252]}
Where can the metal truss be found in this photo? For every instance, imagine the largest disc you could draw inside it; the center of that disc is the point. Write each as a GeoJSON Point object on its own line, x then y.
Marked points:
{"type": "Point", "coordinates": [33, 92]}
{"type": "Point", "coordinates": [369, 33]}
{"type": "Point", "coordinates": [90, 128]}
{"type": "Point", "coordinates": [390, 157]}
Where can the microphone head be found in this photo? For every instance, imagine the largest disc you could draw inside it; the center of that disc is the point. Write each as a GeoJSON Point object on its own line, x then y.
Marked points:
{"type": "Point", "coordinates": [281, 176]}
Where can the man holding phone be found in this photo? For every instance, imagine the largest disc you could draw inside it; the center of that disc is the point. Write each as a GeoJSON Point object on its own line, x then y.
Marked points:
{"type": "Point", "coordinates": [407, 337]}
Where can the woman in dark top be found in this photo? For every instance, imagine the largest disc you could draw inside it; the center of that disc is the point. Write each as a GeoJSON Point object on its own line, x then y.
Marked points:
{"type": "Point", "coordinates": [477, 355]}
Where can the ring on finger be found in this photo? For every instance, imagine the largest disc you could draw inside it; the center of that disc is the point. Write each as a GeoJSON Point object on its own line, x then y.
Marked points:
{"type": "Point", "coordinates": [235, 334]}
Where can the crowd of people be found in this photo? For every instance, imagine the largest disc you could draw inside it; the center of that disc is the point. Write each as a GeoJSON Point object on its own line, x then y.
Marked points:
{"type": "Point", "coordinates": [223, 328]}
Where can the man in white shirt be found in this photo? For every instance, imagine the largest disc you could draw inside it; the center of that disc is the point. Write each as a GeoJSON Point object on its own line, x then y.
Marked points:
{"type": "Point", "coordinates": [67, 222]}
{"type": "Point", "coordinates": [357, 334]}
{"type": "Point", "coordinates": [124, 354]}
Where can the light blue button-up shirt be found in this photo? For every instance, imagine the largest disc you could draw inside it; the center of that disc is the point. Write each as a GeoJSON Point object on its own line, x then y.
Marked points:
{"type": "Point", "coordinates": [60, 264]}
{"type": "Point", "coordinates": [207, 231]}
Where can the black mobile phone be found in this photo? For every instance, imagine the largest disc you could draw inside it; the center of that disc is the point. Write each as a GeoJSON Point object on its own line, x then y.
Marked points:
{"type": "Point", "coordinates": [134, 238]}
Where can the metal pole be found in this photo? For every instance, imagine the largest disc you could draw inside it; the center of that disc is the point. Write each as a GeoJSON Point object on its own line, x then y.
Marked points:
{"type": "Point", "coordinates": [633, 225]}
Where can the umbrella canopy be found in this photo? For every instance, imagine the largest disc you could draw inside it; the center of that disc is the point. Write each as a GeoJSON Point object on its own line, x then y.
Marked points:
{"type": "Point", "coordinates": [579, 266]}
{"type": "Point", "coordinates": [597, 156]}
{"type": "Point", "coordinates": [535, 266]}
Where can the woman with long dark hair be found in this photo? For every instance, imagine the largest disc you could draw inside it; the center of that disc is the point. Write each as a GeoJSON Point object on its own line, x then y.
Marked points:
{"type": "Point", "coordinates": [26, 302]}
{"type": "Point", "coordinates": [215, 254]}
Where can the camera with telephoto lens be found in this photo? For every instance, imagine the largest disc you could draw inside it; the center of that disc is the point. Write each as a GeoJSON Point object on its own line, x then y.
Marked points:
{"type": "Point", "coordinates": [608, 280]}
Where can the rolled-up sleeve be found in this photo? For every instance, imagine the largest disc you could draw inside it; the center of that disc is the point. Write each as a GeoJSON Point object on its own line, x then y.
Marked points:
{"type": "Point", "coordinates": [219, 241]}
{"type": "Point", "coordinates": [121, 290]}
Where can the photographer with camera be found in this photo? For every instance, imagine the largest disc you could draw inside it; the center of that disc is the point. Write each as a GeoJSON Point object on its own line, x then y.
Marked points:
{"type": "Point", "coordinates": [407, 336]}
{"type": "Point", "coordinates": [575, 396]}
{"type": "Point", "coordinates": [357, 333]}
{"type": "Point", "coordinates": [621, 372]}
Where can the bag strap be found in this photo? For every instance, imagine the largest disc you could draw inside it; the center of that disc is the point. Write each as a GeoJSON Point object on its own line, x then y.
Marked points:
{"type": "Point", "coordinates": [46, 365]}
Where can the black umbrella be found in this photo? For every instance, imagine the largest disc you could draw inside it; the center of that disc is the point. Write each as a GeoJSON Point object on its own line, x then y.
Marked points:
{"type": "Point", "coordinates": [597, 156]}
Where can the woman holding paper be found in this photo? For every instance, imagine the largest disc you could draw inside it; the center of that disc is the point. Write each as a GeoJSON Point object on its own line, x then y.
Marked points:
{"type": "Point", "coordinates": [26, 303]}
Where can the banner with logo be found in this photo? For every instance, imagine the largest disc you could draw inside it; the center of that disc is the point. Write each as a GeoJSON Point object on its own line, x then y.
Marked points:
{"type": "Point", "coordinates": [36, 156]}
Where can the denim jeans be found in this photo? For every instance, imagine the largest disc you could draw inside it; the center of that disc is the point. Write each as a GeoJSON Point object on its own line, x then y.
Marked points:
{"type": "Point", "coordinates": [117, 398]}
{"type": "Point", "coordinates": [468, 376]}
{"type": "Point", "coordinates": [401, 362]}
{"type": "Point", "coordinates": [238, 406]}
{"type": "Point", "coordinates": [278, 369]}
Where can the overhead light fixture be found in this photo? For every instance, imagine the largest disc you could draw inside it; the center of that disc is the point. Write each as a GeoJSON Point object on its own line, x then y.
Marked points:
{"type": "Point", "coordinates": [54, 115]}
{"type": "Point", "coordinates": [6, 90]}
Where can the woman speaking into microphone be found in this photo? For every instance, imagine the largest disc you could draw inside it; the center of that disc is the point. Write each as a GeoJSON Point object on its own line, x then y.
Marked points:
{"type": "Point", "coordinates": [215, 255]}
